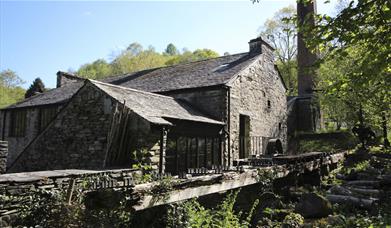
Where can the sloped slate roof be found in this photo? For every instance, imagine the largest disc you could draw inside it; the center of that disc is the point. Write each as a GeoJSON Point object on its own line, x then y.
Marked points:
{"type": "Point", "coordinates": [216, 71]}
{"type": "Point", "coordinates": [53, 96]}
{"type": "Point", "coordinates": [203, 73]}
{"type": "Point", "coordinates": [154, 107]}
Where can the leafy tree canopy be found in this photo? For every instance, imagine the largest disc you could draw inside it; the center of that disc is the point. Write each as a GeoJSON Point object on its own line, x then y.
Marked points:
{"type": "Point", "coordinates": [10, 88]}
{"type": "Point", "coordinates": [171, 50]}
{"type": "Point", "coordinates": [36, 87]}
{"type": "Point", "coordinates": [136, 58]}
{"type": "Point", "coordinates": [281, 32]}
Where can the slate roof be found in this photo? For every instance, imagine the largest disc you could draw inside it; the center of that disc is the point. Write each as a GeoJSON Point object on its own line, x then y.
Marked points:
{"type": "Point", "coordinates": [203, 73]}
{"type": "Point", "coordinates": [210, 72]}
{"type": "Point", "coordinates": [53, 96]}
{"type": "Point", "coordinates": [153, 107]}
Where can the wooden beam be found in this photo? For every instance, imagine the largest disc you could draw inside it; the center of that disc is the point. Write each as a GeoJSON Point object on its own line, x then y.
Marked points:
{"type": "Point", "coordinates": [197, 154]}
{"type": "Point", "coordinates": [176, 155]}
{"type": "Point", "coordinates": [205, 152]}
{"type": "Point", "coordinates": [162, 155]}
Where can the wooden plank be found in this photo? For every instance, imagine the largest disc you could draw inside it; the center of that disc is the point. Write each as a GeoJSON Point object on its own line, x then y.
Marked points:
{"type": "Point", "coordinates": [197, 154]}
{"type": "Point", "coordinates": [205, 152]}
{"type": "Point", "coordinates": [212, 151]}
{"type": "Point", "coordinates": [176, 155]}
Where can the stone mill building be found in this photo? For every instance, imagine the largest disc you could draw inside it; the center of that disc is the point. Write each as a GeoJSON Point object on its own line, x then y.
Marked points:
{"type": "Point", "coordinates": [207, 113]}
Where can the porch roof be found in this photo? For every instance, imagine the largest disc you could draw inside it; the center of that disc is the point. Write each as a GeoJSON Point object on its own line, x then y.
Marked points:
{"type": "Point", "coordinates": [153, 107]}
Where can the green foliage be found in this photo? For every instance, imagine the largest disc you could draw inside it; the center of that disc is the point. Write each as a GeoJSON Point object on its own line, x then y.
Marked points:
{"type": "Point", "coordinates": [10, 90]}
{"type": "Point", "coordinates": [326, 142]}
{"type": "Point", "coordinates": [95, 70]}
{"type": "Point", "coordinates": [136, 58]}
{"type": "Point", "coordinates": [192, 214]}
{"type": "Point", "coordinates": [293, 220]}
{"type": "Point", "coordinates": [48, 208]}
{"type": "Point", "coordinates": [36, 87]}
{"type": "Point", "coordinates": [171, 50]}
{"type": "Point", "coordinates": [355, 46]}
{"type": "Point", "coordinates": [281, 32]}
{"type": "Point", "coordinates": [265, 177]}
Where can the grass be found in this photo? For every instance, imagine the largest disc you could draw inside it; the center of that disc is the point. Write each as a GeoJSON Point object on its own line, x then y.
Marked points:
{"type": "Point", "coordinates": [326, 142]}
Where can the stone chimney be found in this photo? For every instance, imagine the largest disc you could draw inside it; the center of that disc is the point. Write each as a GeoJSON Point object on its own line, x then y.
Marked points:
{"type": "Point", "coordinates": [258, 46]}
{"type": "Point", "coordinates": [307, 106]}
{"type": "Point", "coordinates": [64, 78]}
{"type": "Point", "coordinates": [305, 58]}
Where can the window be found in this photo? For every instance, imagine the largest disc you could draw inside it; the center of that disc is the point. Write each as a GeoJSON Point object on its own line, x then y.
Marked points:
{"type": "Point", "coordinates": [279, 126]}
{"type": "Point", "coordinates": [45, 116]}
{"type": "Point", "coordinates": [269, 104]}
{"type": "Point", "coordinates": [18, 123]}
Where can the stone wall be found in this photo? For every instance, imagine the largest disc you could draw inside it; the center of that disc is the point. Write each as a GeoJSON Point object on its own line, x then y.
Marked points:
{"type": "Point", "coordinates": [17, 144]}
{"type": "Point", "coordinates": [17, 189]}
{"type": "Point", "coordinates": [256, 88]}
{"type": "Point", "coordinates": [3, 156]}
{"type": "Point", "coordinates": [75, 139]}
{"type": "Point", "coordinates": [211, 101]}
{"type": "Point", "coordinates": [78, 137]}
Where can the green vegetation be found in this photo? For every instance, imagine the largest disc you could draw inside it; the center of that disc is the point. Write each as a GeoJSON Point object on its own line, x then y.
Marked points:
{"type": "Point", "coordinates": [192, 214]}
{"type": "Point", "coordinates": [36, 87]}
{"type": "Point", "coordinates": [326, 142]}
{"type": "Point", "coordinates": [136, 58]}
{"type": "Point", "coordinates": [355, 66]}
{"type": "Point", "coordinates": [10, 88]}
{"type": "Point", "coordinates": [282, 35]}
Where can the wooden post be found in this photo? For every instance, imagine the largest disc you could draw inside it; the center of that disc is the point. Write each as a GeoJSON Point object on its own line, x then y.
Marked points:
{"type": "Point", "coordinates": [205, 152]}
{"type": "Point", "coordinates": [176, 155]}
{"type": "Point", "coordinates": [213, 151]}
{"type": "Point", "coordinates": [187, 154]}
{"type": "Point", "coordinates": [197, 154]}
{"type": "Point", "coordinates": [221, 152]}
{"type": "Point", "coordinates": [163, 143]}
{"type": "Point", "coordinates": [71, 187]}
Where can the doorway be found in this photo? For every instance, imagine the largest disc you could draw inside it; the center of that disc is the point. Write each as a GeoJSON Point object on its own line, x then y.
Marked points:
{"type": "Point", "coordinates": [244, 136]}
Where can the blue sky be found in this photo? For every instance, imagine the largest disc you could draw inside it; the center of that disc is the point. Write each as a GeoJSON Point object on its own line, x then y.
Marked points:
{"type": "Point", "coordinates": [39, 38]}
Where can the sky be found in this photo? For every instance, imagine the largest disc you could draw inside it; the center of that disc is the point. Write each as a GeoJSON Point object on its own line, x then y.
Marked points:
{"type": "Point", "coordinates": [39, 38]}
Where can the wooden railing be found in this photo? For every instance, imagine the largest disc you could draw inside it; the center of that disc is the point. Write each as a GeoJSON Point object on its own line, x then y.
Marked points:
{"type": "Point", "coordinates": [252, 145]}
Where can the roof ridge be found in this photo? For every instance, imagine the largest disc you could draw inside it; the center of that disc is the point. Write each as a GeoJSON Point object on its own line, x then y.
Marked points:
{"type": "Point", "coordinates": [175, 65]}
{"type": "Point", "coordinates": [129, 89]}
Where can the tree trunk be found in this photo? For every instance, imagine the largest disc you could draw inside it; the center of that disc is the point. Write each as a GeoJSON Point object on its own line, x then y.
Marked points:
{"type": "Point", "coordinates": [340, 199]}
{"type": "Point", "coordinates": [384, 125]}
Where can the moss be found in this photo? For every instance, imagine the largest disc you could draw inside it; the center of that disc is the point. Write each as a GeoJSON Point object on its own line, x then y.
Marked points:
{"type": "Point", "coordinates": [326, 142]}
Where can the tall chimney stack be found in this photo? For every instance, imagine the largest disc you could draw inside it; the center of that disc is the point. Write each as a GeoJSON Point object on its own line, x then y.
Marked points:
{"type": "Point", "coordinates": [305, 58]}
{"type": "Point", "coordinates": [307, 106]}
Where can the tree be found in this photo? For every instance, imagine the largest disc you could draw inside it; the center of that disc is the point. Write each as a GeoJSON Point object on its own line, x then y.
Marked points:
{"type": "Point", "coordinates": [97, 70]}
{"type": "Point", "coordinates": [281, 32]}
{"type": "Point", "coordinates": [10, 79]}
{"type": "Point", "coordinates": [188, 56]}
{"type": "Point", "coordinates": [10, 88]}
{"type": "Point", "coordinates": [360, 32]}
{"type": "Point", "coordinates": [171, 50]}
{"type": "Point", "coordinates": [36, 87]}
{"type": "Point", "coordinates": [128, 62]}
{"type": "Point", "coordinates": [134, 48]}
{"type": "Point", "coordinates": [135, 58]}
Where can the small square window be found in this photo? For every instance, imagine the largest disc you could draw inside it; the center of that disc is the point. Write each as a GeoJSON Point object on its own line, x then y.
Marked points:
{"type": "Point", "coordinates": [269, 104]}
